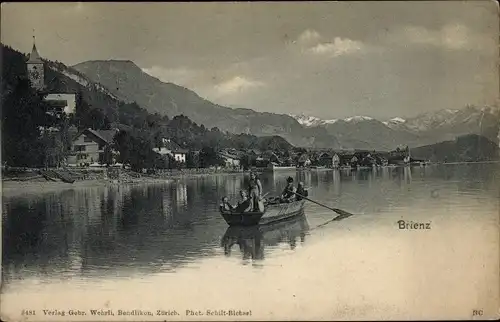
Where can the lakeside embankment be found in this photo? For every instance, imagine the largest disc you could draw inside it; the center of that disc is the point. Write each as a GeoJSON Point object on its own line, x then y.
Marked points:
{"type": "Point", "coordinates": [30, 182]}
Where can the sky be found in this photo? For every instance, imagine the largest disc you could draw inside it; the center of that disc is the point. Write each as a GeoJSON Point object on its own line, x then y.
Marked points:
{"type": "Point", "coordinates": [326, 59]}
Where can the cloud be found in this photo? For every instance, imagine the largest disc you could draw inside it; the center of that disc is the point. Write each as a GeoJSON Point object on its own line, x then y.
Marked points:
{"type": "Point", "coordinates": [237, 84]}
{"type": "Point", "coordinates": [339, 46]}
{"type": "Point", "coordinates": [312, 42]}
{"type": "Point", "coordinates": [451, 36]}
{"type": "Point", "coordinates": [308, 36]}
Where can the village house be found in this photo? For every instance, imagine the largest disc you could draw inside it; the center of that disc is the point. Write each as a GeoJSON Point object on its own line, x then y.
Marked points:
{"type": "Point", "coordinates": [335, 161]}
{"type": "Point", "coordinates": [171, 148]}
{"type": "Point", "coordinates": [381, 160]}
{"type": "Point", "coordinates": [255, 152]}
{"type": "Point", "coordinates": [231, 159]}
{"type": "Point", "coordinates": [346, 159]}
{"type": "Point", "coordinates": [62, 102]}
{"type": "Point", "coordinates": [368, 160]}
{"type": "Point", "coordinates": [304, 161]}
{"type": "Point", "coordinates": [266, 158]}
{"type": "Point", "coordinates": [88, 147]}
{"type": "Point", "coordinates": [324, 159]}
{"type": "Point", "coordinates": [288, 162]}
{"type": "Point", "coordinates": [315, 158]}
{"type": "Point", "coordinates": [328, 160]}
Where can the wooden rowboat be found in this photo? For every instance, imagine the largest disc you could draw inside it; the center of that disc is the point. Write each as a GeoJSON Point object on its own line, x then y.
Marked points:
{"type": "Point", "coordinates": [272, 213]}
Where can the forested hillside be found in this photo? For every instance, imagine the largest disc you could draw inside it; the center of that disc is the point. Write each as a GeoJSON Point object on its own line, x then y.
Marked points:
{"type": "Point", "coordinates": [96, 108]}
{"type": "Point", "coordinates": [465, 148]}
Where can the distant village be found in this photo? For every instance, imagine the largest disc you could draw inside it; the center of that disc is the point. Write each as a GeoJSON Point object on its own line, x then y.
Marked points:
{"type": "Point", "coordinates": [88, 150]}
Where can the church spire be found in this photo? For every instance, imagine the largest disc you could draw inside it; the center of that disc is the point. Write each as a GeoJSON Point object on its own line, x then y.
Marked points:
{"type": "Point", "coordinates": [34, 56]}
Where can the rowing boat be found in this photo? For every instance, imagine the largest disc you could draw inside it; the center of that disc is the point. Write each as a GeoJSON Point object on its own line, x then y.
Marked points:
{"type": "Point", "coordinates": [272, 213]}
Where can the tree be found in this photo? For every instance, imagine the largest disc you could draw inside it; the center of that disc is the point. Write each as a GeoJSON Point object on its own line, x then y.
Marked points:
{"type": "Point", "coordinates": [56, 142]}
{"type": "Point", "coordinates": [247, 161]}
{"type": "Point", "coordinates": [209, 157]}
{"type": "Point", "coordinates": [192, 160]}
{"type": "Point", "coordinates": [135, 149]}
{"type": "Point", "coordinates": [87, 116]}
{"type": "Point", "coordinates": [24, 113]}
{"type": "Point", "coordinates": [108, 157]}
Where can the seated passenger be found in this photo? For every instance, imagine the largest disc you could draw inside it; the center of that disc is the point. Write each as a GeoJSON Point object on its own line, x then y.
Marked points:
{"type": "Point", "coordinates": [288, 194]}
{"type": "Point", "coordinates": [244, 204]}
{"type": "Point", "coordinates": [225, 205]}
{"type": "Point", "coordinates": [301, 192]}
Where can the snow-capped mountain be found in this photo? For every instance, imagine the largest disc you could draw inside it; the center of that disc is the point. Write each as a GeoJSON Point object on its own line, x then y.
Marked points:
{"type": "Point", "coordinates": [357, 118]}
{"type": "Point", "coordinates": [397, 120]}
{"type": "Point", "coordinates": [427, 121]}
{"type": "Point", "coordinates": [447, 124]}
{"type": "Point", "coordinates": [394, 121]}
{"type": "Point", "coordinates": [426, 128]}
{"type": "Point", "coordinates": [360, 132]}
{"type": "Point", "coordinates": [311, 121]}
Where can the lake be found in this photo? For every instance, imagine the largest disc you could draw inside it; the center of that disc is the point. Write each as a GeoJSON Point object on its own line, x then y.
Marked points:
{"type": "Point", "coordinates": [165, 247]}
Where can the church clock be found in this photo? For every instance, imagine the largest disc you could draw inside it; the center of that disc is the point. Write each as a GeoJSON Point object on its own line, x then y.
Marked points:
{"type": "Point", "coordinates": [35, 74]}
{"type": "Point", "coordinates": [35, 68]}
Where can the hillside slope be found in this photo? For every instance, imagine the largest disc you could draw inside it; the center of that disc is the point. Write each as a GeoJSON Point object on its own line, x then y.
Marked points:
{"type": "Point", "coordinates": [465, 148]}
{"type": "Point", "coordinates": [128, 82]}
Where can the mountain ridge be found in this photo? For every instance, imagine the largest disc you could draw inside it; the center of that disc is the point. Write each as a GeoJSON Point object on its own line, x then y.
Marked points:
{"type": "Point", "coordinates": [425, 128]}
{"type": "Point", "coordinates": [129, 82]}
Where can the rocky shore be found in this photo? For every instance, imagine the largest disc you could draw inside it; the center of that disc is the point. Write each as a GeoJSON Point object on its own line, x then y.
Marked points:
{"type": "Point", "coordinates": [31, 182]}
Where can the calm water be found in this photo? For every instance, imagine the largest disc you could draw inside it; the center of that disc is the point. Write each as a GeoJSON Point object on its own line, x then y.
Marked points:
{"type": "Point", "coordinates": [166, 247]}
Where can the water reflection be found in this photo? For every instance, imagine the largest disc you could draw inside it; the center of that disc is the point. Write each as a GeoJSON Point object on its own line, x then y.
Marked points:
{"type": "Point", "coordinates": [123, 230]}
{"type": "Point", "coordinates": [336, 182]}
{"type": "Point", "coordinates": [89, 231]}
{"type": "Point", "coordinates": [253, 240]}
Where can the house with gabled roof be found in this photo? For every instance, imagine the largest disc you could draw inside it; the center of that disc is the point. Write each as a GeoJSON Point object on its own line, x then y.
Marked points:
{"type": "Point", "coordinates": [88, 146]}
{"type": "Point", "coordinates": [330, 160]}
{"type": "Point", "coordinates": [170, 147]}
{"type": "Point", "coordinates": [231, 158]}
{"type": "Point", "coordinates": [303, 160]}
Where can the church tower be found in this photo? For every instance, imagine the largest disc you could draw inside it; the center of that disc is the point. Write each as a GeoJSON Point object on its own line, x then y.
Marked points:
{"type": "Point", "coordinates": [35, 69]}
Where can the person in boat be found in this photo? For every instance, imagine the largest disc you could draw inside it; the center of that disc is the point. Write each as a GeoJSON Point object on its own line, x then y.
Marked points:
{"type": "Point", "coordinates": [225, 205]}
{"type": "Point", "coordinates": [243, 203]}
{"type": "Point", "coordinates": [255, 193]}
{"type": "Point", "coordinates": [301, 192]}
{"type": "Point", "coordinates": [288, 194]}
{"type": "Point", "coordinates": [243, 197]}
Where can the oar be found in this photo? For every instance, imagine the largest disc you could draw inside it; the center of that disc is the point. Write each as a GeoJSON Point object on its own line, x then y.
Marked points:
{"type": "Point", "coordinates": [264, 195]}
{"type": "Point", "coordinates": [341, 212]}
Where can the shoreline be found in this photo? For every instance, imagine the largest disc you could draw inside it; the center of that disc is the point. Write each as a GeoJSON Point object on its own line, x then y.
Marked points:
{"type": "Point", "coordinates": [11, 188]}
